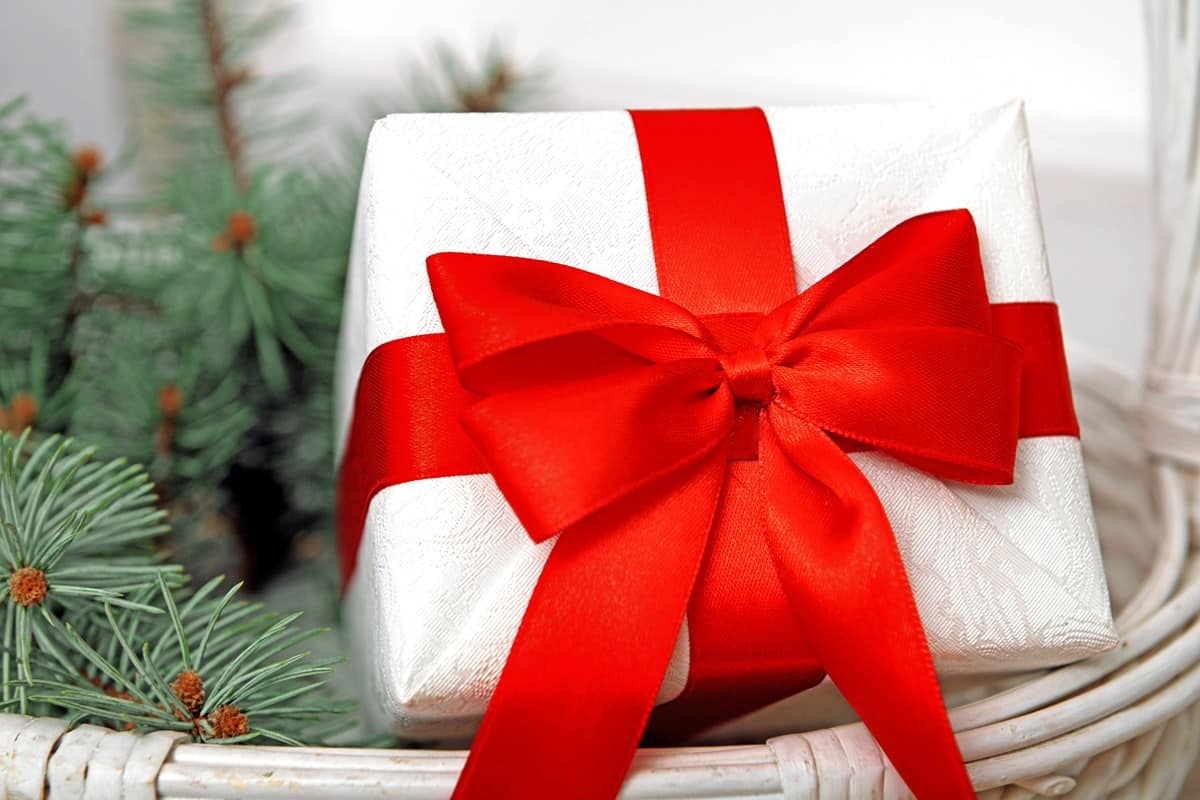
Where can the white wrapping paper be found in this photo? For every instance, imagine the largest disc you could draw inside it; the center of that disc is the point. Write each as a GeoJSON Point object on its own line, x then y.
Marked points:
{"type": "Point", "coordinates": [1004, 577]}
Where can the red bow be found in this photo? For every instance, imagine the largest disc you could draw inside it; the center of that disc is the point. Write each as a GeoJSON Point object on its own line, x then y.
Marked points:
{"type": "Point", "coordinates": [609, 415]}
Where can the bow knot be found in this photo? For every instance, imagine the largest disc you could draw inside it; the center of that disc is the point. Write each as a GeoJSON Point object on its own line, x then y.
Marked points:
{"type": "Point", "coordinates": [748, 372]}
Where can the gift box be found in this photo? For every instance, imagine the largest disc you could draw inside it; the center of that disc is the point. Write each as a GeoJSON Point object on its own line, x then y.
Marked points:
{"type": "Point", "coordinates": [440, 569]}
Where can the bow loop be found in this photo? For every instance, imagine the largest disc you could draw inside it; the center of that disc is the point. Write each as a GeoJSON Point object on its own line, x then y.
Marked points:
{"type": "Point", "coordinates": [926, 271]}
{"type": "Point", "coordinates": [942, 399]}
{"type": "Point", "coordinates": [894, 351]}
{"type": "Point", "coordinates": [519, 322]}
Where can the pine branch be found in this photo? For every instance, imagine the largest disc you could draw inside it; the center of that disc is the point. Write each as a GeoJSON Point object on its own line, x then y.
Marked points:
{"type": "Point", "coordinates": [497, 85]}
{"type": "Point", "coordinates": [212, 666]}
{"type": "Point", "coordinates": [243, 277]}
{"type": "Point", "coordinates": [86, 168]}
{"type": "Point", "coordinates": [262, 294]}
{"type": "Point", "coordinates": [44, 218]}
{"type": "Point", "coordinates": [198, 340]}
{"type": "Point", "coordinates": [74, 536]}
{"type": "Point", "coordinates": [261, 252]}
{"type": "Point", "coordinates": [95, 624]}
{"type": "Point", "coordinates": [224, 80]}
{"type": "Point", "coordinates": [183, 420]}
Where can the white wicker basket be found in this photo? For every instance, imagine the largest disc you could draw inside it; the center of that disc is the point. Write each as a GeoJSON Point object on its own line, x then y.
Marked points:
{"type": "Point", "coordinates": [1125, 724]}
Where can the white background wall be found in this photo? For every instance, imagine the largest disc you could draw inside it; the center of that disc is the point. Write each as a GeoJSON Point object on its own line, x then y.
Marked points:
{"type": "Point", "coordinates": [1078, 63]}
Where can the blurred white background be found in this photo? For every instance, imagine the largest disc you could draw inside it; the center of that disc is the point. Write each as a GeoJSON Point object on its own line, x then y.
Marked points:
{"type": "Point", "coordinates": [1080, 66]}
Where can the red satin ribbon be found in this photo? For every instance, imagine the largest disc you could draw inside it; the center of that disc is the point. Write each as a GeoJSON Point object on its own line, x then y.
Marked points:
{"type": "Point", "coordinates": [611, 415]}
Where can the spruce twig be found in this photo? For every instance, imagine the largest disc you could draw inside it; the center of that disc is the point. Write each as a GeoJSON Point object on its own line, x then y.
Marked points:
{"type": "Point", "coordinates": [96, 625]}
{"type": "Point", "coordinates": [219, 669]}
{"type": "Point", "coordinates": [498, 84]}
{"type": "Point", "coordinates": [74, 537]}
{"type": "Point", "coordinates": [224, 80]}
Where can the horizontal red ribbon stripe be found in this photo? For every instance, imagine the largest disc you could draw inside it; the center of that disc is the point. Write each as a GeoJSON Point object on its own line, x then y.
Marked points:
{"type": "Point", "coordinates": [405, 426]}
{"type": "Point", "coordinates": [1046, 406]}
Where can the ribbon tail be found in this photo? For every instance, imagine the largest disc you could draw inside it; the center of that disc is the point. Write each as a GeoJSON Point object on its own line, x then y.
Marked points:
{"type": "Point", "coordinates": [837, 559]}
{"type": "Point", "coordinates": [594, 644]}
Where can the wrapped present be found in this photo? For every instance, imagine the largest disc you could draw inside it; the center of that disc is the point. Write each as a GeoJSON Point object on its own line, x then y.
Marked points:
{"type": "Point", "coordinates": [707, 404]}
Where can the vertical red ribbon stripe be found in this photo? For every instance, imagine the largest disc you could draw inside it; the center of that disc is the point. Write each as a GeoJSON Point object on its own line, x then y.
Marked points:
{"type": "Point", "coordinates": [745, 650]}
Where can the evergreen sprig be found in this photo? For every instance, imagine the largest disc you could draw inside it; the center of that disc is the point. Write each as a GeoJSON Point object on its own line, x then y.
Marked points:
{"type": "Point", "coordinates": [43, 249]}
{"type": "Point", "coordinates": [198, 335]}
{"type": "Point", "coordinates": [452, 84]}
{"type": "Point", "coordinates": [214, 667]}
{"type": "Point", "coordinates": [41, 231]}
{"type": "Point", "coordinates": [74, 537]}
{"type": "Point", "coordinates": [259, 237]}
{"type": "Point", "coordinates": [185, 422]}
{"type": "Point", "coordinates": [97, 625]}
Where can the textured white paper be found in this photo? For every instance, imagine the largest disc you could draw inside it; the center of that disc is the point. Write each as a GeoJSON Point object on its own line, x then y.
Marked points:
{"type": "Point", "coordinates": [1004, 577]}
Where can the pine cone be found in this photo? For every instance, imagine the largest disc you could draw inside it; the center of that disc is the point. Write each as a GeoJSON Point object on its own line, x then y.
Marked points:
{"type": "Point", "coordinates": [227, 722]}
{"type": "Point", "coordinates": [27, 586]}
{"type": "Point", "coordinates": [190, 690]}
